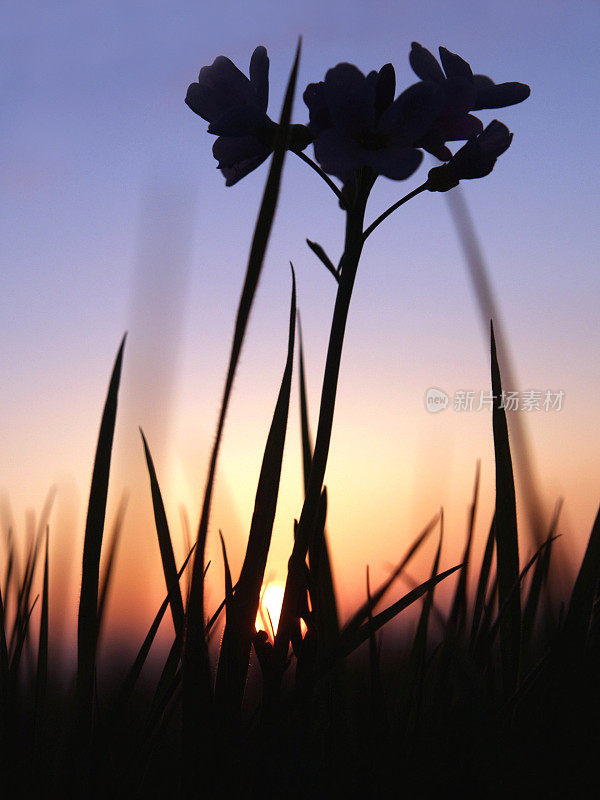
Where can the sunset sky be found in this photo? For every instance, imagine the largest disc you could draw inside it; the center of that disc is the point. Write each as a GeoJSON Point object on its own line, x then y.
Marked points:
{"type": "Point", "coordinates": [115, 219]}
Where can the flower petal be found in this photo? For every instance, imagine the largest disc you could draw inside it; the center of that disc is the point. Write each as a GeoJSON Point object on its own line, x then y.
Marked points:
{"type": "Point", "coordinates": [224, 78]}
{"type": "Point", "coordinates": [500, 95]}
{"type": "Point", "coordinates": [314, 97]}
{"type": "Point", "coordinates": [395, 162]}
{"type": "Point", "coordinates": [239, 121]}
{"type": "Point", "coordinates": [337, 154]}
{"type": "Point", "coordinates": [385, 88]}
{"type": "Point", "coordinates": [259, 76]}
{"type": "Point", "coordinates": [463, 128]}
{"type": "Point", "coordinates": [412, 113]}
{"type": "Point", "coordinates": [238, 155]}
{"type": "Point", "coordinates": [455, 66]}
{"type": "Point", "coordinates": [349, 99]}
{"type": "Point", "coordinates": [425, 64]}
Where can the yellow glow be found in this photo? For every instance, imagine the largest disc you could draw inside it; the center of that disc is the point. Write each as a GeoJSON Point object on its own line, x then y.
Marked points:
{"type": "Point", "coordinates": [270, 607]}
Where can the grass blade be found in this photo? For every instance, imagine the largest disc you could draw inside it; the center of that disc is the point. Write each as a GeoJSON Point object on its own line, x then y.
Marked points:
{"type": "Point", "coordinates": [321, 579]}
{"type": "Point", "coordinates": [507, 544]}
{"type": "Point", "coordinates": [359, 616]}
{"type": "Point", "coordinates": [197, 690]}
{"type": "Point", "coordinates": [458, 610]}
{"type": "Point", "coordinates": [482, 583]}
{"type": "Point", "coordinates": [166, 547]}
{"type": "Point", "coordinates": [110, 562]}
{"type": "Point", "coordinates": [87, 624]}
{"type": "Point", "coordinates": [579, 613]}
{"type": "Point", "coordinates": [243, 605]}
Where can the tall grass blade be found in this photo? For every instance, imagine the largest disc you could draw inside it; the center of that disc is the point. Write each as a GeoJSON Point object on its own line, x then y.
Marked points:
{"type": "Point", "coordinates": [41, 681]}
{"type": "Point", "coordinates": [197, 689]}
{"type": "Point", "coordinates": [243, 605]}
{"type": "Point", "coordinates": [482, 582]}
{"type": "Point", "coordinates": [165, 545]}
{"type": "Point", "coordinates": [579, 613]}
{"type": "Point", "coordinates": [108, 572]}
{"type": "Point", "coordinates": [507, 544]}
{"type": "Point", "coordinates": [488, 308]}
{"type": "Point", "coordinates": [135, 670]}
{"type": "Point", "coordinates": [458, 611]}
{"type": "Point", "coordinates": [539, 581]}
{"type": "Point", "coordinates": [323, 598]}
{"type": "Point", "coordinates": [87, 624]}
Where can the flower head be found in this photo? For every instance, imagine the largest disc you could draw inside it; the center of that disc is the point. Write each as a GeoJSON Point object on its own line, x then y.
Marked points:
{"type": "Point", "coordinates": [357, 123]}
{"type": "Point", "coordinates": [463, 92]}
{"type": "Point", "coordinates": [475, 159]}
{"type": "Point", "coordinates": [236, 109]}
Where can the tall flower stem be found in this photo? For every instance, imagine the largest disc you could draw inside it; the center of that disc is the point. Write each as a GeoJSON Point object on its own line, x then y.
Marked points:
{"type": "Point", "coordinates": [295, 583]}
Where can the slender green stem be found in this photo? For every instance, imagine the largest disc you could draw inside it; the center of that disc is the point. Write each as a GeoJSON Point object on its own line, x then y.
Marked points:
{"type": "Point", "coordinates": [392, 208]}
{"type": "Point", "coordinates": [307, 160]}
{"type": "Point", "coordinates": [295, 577]}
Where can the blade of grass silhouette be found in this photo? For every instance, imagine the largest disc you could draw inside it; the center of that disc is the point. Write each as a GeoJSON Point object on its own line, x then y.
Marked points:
{"type": "Point", "coordinates": [350, 640]}
{"type": "Point", "coordinates": [458, 611]}
{"type": "Point", "coordinates": [324, 602]}
{"type": "Point", "coordinates": [507, 543]}
{"type": "Point", "coordinates": [135, 670]}
{"type": "Point", "coordinates": [379, 720]}
{"type": "Point", "coordinates": [539, 581]}
{"type": "Point", "coordinates": [108, 572]}
{"type": "Point", "coordinates": [577, 620]}
{"type": "Point", "coordinates": [360, 614]}
{"type": "Point", "coordinates": [197, 688]}
{"type": "Point", "coordinates": [164, 542]}
{"type": "Point", "coordinates": [3, 651]}
{"type": "Point", "coordinates": [505, 608]}
{"type": "Point", "coordinates": [243, 606]}
{"type": "Point", "coordinates": [489, 310]}
{"type": "Point", "coordinates": [417, 660]}
{"type": "Point", "coordinates": [482, 583]}
{"type": "Point", "coordinates": [87, 624]}
{"type": "Point", "coordinates": [41, 679]}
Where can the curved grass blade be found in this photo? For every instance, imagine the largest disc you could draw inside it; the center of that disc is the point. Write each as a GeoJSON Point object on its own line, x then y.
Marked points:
{"type": "Point", "coordinates": [132, 676]}
{"type": "Point", "coordinates": [350, 640]}
{"type": "Point", "coordinates": [242, 606]}
{"type": "Point", "coordinates": [166, 547]}
{"type": "Point", "coordinates": [87, 624]}
{"type": "Point", "coordinates": [359, 616]}
{"type": "Point", "coordinates": [507, 544]}
{"type": "Point", "coordinates": [197, 689]}
{"type": "Point", "coordinates": [539, 581]}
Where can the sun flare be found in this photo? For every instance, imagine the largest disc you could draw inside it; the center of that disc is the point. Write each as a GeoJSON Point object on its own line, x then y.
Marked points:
{"type": "Point", "coordinates": [270, 608]}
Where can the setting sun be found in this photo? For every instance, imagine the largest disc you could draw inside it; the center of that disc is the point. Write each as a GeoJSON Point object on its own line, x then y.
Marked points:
{"type": "Point", "coordinates": [270, 608]}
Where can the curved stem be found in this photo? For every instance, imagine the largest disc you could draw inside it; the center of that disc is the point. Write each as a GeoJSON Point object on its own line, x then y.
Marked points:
{"type": "Point", "coordinates": [392, 208]}
{"type": "Point", "coordinates": [319, 171]}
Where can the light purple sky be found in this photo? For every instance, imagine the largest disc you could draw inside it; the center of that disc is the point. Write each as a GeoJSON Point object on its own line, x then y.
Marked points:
{"type": "Point", "coordinates": [115, 218]}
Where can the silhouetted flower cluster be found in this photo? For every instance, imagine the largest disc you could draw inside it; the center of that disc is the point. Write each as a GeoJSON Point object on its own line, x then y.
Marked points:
{"type": "Point", "coordinates": [355, 120]}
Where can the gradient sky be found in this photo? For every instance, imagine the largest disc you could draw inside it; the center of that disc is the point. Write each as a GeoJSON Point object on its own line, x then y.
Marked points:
{"type": "Point", "coordinates": [115, 218]}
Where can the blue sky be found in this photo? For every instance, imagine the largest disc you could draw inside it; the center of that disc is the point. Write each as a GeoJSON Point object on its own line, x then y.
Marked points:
{"type": "Point", "coordinates": [115, 218]}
